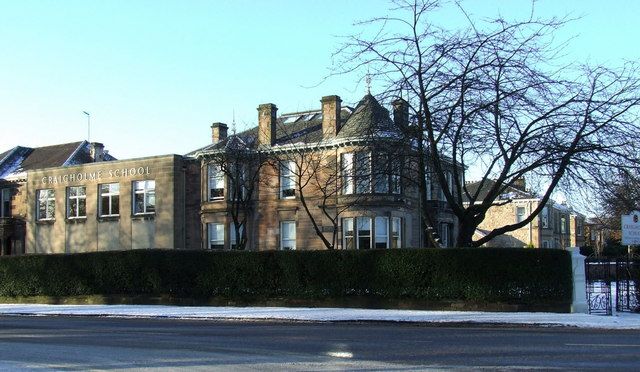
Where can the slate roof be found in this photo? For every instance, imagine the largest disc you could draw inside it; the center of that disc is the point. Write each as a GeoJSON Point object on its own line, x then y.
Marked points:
{"type": "Point", "coordinates": [509, 192]}
{"type": "Point", "coordinates": [21, 159]}
{"type": "Point", "coordinates": [369, 117]}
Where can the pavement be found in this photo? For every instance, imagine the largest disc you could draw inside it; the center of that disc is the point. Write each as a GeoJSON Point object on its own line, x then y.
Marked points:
{"type": "Point", "coordinates": [577, 320]}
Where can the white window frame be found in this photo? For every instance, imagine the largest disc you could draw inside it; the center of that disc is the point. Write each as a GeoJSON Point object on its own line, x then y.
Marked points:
{"type": "Point", "coordinates": [232, 234]}
{"type": "Point", "coordinates": [396, 241]}
{"type": "Point", "coordinates": [348, 232]}
{"type": "Point", "coordinates": [287, 243]}
{"type": "Point", "coordinates": [79, 198]}
{"type": "Point", "coordinates": [381, 229]}
{"type": "Point", "coordinates": [348, 180]}
{"type": "Point", "coordinates": [5, 203]}
{"type": "Point", "coordinates": [48, 198]}
{"type": "Point", "coordinates": [521, 216]}
{"type": "Point", "coordinates": [112, 196]}
{"type": "Point", "coordinates": [215, 236]}
{"type": "Point", "coordinates": [215, 182]}
{"type": "Point", "coordinates": [148, 192]}
{"type": "Point", "coordinates": [288, 180]}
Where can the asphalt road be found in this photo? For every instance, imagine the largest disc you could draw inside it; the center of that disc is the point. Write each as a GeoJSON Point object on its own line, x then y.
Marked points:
{"type": "Point", "coordinates": [79, 343]}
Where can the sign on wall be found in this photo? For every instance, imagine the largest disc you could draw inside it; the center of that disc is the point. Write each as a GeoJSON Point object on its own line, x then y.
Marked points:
{"type": "Point", "coordinates": [631, 228]}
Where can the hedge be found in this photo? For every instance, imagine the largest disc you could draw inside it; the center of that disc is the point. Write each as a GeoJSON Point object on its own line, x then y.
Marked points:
{"type": "Point", "coordinates": [483, 275]}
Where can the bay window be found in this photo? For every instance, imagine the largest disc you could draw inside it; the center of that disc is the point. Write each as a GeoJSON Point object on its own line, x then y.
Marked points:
{"type": "Point", "coordinates": [363, 172]}
{"type": "Point", "coordinates": [216, 182]}
{"type": "Point", "coordinates": [359, 233]}
{"type": "Point", "coordinates": [348, 234]}
{"type": "Point", "coordinates": [364, 232]}
{"type": "Point", "coordinates": [366, 172]}
{"type": "Point", "coordinates": [396, 232]}
{"type": "Point", "coordinates": [347, 174]}
{"type": "Point", "coordinates": [382, 233]}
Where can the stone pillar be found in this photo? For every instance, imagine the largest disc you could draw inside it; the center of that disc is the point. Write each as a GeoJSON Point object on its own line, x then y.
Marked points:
{"type": "Point", "coordinates": [579, 299]}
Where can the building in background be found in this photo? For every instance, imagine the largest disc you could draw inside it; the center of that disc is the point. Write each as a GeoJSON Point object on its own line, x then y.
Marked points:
{"type": "Point", "coordinates": [557, 226]}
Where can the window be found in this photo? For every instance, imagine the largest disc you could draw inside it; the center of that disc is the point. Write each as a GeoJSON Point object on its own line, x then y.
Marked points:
{"type": "Point", "coordinates": [76, 202]}
{"type": "Point", "coordinates": [46, 205]}
{"type": "Point", "coordinates": [444, 234]}
{"type": "Point", "coordinates": [144, 198]}
{"type": "Point", "coordinates": [520, 212]}
{"type": "Point", "coordinates": [396, 232]}
{"type": "Point", "coordinates": [347, 174]}
{"type": "Point", "coordinates": [563, 225]}
{"type": "Point", "coordinates": [545, 244]}
{"type": "Point", "coordinates": [544, 218]}
{"type": "Point", "coordinates": [233, 243]}
{"type": "Point", "coordinates": [396, 166]}
{"type": "Point", "coordinates": [348, 234]}
{"type": "Point", "coordinates": [382, 233]}
{"type": "Point", "coordinates": [237, 182]}
{"type": "Point", "coordinates": [363, 172]}
{"type": "Point", "coordinates": [288, 235]}
{"type": "Point", "coordinates": [427, 179]}
{"type": "Point", "coordinates": [109, 199]}
{"type": "Point", "coordinates": [364, 232]}
{"type": "Point", "coordinates": [216, 235]}
{"type": "Point", "coordinates": [449, 179]}
{"type": "Point", "coordinates": [5, 202]}
{"type": "Point", "coordinates": [381, 177]}
{"type": "Point", "coordinates": [216, 182]}
{"type": "Point", "coordinates": [287, 180]}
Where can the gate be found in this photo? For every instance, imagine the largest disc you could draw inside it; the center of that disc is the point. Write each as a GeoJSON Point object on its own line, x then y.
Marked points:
{"type": "Point", "coordinates": [628, 284]}
{"type": "Point", "coordinates": [623, 275]}
{"type": "Point", "coordinates": [598, 277]}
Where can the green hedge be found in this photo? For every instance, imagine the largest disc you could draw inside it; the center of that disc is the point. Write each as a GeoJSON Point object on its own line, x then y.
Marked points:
{"type": "Point", "coordinates": [482, 275]}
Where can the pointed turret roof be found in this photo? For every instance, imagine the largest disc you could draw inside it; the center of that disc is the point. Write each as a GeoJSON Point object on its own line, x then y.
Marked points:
{"type": "Point", "coordinates": [369, 118]}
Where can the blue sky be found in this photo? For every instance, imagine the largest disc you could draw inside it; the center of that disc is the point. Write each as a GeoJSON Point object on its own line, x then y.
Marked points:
{"type": "Point", "coordinates": [155, 74]}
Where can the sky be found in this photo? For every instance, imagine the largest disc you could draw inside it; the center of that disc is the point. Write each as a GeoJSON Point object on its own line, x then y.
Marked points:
{"type": "Point", "coordinates": [155, 74]}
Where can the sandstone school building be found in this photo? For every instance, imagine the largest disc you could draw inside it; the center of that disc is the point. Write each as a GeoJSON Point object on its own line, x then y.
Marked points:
{"type": "Point", "coordinates": [337, 177]}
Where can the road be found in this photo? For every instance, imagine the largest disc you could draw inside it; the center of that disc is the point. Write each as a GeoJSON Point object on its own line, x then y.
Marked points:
{"type": "Point", "coordinates": [90, 343]}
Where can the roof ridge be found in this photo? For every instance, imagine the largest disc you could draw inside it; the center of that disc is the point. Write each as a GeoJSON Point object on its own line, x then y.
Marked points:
{"type": "Point", "coordinates": [74, 153]}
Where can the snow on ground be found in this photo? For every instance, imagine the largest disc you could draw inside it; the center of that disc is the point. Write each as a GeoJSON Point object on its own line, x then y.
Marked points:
{"type": "Point", "coordinates": [618, 321]}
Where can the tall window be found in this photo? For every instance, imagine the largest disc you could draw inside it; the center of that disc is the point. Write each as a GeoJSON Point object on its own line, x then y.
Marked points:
{"type": "Point", "coordinates": [144, 197]}
{"type": "Point", "coordinates": [382, 232]}
{"type": "Point", "coordinates": [381, 176]}
{"type": "Point", "coordinates": [427, 180]}
{"type": "Point", "coordinates": [363, 172]}
{"type": "Point", "coordinates": [396, 166]}
{"type": "Point", "coordinates": [46, 205]}
{"type": "Point", "coordinates": [563, 225]}
{"type": "Point", "coordinates": [237, 182]}
{"type": "Point", "coordinates": [109, 199]}
{"type": "Point", "coordinates": [76, 202]}
{"type": "Point", "coordinates": [544, 218]}
{"type": "Point", "coordinates": [288, 235]}
{"type": "Point", "coordinates": [364, 232]}
{"type": "Point", "coordinates": [5, 202]}
{"type": "Point", "coordinates": [396, 232]}
{"type": "Point", "coordinates": [216, 235]}
{"type": "Point", "coordinates": [348, 234]}
{"type": "Point", "coordinates": [233, 242]}
{"type": "Point", "coordinates": [287, 180]}
{"type": "Point", "coordinates": [216, 182]}
{"type": "Point", "coordinates": [347, 174]}
{"type": "Point", "coordinates": [520, 214]}
{"type": "Point", "coordinates": [444, 234]}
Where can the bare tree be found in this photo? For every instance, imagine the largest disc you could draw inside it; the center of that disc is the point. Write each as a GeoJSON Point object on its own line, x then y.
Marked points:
{"type": "Point", "coordinates": [239, 164]}
{"type": "Point", "coordinates": [494, 98]}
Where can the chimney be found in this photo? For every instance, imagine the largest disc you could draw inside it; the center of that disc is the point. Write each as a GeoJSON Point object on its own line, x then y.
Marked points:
{"type": "Point", "coordinates": [267, 124]}
{"type": "Point", "coordinates": [96, 151]}
{"type": "Point", "coordinates": [520, 184]}
{"type": "Point", "coordinates": [330, 116]}
{"type": "Point", "coordinates": [218, 132]}
{"type": "Point", "coordinates": [400, 113]}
